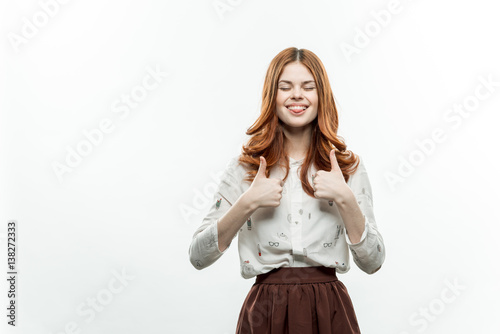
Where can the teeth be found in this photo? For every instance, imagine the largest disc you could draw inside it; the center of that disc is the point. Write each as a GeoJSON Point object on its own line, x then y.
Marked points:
{"type": "Point", "coordinates": [297, 108]}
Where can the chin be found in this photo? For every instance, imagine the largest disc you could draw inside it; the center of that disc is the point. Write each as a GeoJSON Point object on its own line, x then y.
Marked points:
{"type": "Point", "coordinates": [298, 125]}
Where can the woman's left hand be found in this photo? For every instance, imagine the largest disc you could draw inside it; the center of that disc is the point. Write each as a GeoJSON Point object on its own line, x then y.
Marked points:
{"type": "Point", "coordinates": [330, 185]}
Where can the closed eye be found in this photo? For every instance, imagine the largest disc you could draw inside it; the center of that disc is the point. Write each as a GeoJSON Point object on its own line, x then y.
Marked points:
{"type": "Point", "coordinates": [287, 88]}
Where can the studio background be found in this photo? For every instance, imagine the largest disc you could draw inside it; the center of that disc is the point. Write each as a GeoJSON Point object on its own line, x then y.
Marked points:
{"type": "Point", "coordinates": [157, 95]}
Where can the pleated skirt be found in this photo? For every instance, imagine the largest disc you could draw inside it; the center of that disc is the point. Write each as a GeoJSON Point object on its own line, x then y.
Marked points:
{"type": "Point", "coordinates": [298, 300]}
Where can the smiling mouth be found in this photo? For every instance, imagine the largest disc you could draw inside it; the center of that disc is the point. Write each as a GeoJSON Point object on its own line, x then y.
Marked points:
{"type": "Point", "coordinates": [297, 109]}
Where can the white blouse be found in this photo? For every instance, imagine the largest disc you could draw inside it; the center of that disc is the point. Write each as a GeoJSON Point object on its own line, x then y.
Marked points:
{"type": "Point", "coordinates": [302, 231]}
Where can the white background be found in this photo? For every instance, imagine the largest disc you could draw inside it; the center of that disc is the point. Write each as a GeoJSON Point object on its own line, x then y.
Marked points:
{"type": "Point", "coordinates": [133, 202]}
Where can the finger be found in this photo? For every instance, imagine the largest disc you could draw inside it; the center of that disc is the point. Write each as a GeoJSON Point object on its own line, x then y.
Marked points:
{"type": "Point", "coordinates": [262, 167]}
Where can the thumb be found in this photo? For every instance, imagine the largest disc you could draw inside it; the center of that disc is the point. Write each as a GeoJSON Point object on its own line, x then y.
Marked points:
{"type": "Point", "coordinates": [262, 167]}
{"type": "Point", "coordinates": [333, 159]}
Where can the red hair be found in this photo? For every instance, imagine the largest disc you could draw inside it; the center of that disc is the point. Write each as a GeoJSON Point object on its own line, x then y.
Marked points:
{"type": "Point", "coordinates": [267, 137]}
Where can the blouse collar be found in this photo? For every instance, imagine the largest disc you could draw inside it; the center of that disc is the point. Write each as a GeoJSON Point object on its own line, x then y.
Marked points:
{"type": "Point", "coordinates": [295, 162]}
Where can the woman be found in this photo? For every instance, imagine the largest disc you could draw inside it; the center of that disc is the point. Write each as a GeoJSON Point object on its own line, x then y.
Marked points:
{"type": "Point", "coordinates": [298, 201]}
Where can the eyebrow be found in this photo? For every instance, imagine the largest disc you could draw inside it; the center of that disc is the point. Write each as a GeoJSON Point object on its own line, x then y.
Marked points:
{"type": "Point", "coordinates": [289, 82]}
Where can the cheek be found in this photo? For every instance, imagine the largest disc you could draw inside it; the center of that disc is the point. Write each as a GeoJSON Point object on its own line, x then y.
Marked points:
{"type": "Point", "coordinates": [280, 100]}
{"type": "Point", "coordinates": [313, 98]}
{"type": "Point", "coordinates": [314, 114]}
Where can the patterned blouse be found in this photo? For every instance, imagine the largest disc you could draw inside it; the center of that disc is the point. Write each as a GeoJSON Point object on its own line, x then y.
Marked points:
{"type": "Point", "coordinates": [302, 231]}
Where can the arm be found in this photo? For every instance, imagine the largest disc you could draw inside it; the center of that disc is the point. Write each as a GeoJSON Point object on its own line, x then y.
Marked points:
{"type": "Point", "coordinates": [231, 207]}
{"type": "Point", "coordinates": [229, 224]}
{"type": "Point", "coordinates": [362, 235]}
{"type": "Point", "coordinates": [218, 229]}
{"type": "Point", "coordinates": [204, 249]}
{"type": "Point", "coordinates": [352, 216]}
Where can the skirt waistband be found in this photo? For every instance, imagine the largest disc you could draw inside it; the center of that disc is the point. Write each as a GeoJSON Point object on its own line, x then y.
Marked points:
{"type": "Point", "coordinates": [294, 275]}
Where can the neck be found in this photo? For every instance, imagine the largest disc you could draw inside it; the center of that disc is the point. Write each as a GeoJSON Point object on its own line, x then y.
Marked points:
{"type": "Point", "coordinates": [297, 141]}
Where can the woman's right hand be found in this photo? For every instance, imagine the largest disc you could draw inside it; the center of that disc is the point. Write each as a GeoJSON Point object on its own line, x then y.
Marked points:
{"type": "Point", "coordinates": [264, 191]}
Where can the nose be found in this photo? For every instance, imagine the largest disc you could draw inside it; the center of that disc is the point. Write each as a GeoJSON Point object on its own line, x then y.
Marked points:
{"type": "Point", "coordinates": [297, 93]}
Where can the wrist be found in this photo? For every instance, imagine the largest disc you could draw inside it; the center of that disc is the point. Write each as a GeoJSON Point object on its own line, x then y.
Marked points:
{"type": "Point", "coordinates": [344, 196]}
{"type": "Point", "coordinates": [248, 202]}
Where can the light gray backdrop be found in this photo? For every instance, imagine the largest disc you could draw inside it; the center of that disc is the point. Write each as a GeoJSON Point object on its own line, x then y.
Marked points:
{"type": "Point", "coordinates": [118, 116]}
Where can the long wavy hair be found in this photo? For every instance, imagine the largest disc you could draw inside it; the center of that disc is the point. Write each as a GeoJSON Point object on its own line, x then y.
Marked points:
{"type": "Point", "coordinates": [267, 137]}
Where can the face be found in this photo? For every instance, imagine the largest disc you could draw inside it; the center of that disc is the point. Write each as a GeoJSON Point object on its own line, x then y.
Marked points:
{"type": "Point", "coordinates": [297, 97]}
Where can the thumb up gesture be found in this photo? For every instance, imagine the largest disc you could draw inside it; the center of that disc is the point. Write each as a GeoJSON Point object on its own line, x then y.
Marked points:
{"type": "Point", "coordinates": [331, 184]}
{"type": "Point", "coordinates": [264, 191]}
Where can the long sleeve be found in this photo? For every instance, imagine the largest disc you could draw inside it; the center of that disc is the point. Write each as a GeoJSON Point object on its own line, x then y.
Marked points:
{"type": "Point", "coordinates": [369, 252]}
{"type": "Point", "coordinates": [204, 248]}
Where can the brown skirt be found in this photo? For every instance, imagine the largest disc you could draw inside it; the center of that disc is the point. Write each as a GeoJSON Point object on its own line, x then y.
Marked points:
{"type": "Point", "coordinates": [298, 300]}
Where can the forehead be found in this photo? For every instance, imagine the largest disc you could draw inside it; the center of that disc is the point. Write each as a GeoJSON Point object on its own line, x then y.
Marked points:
{"type": "Point", "coordinates": [296, 72]}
